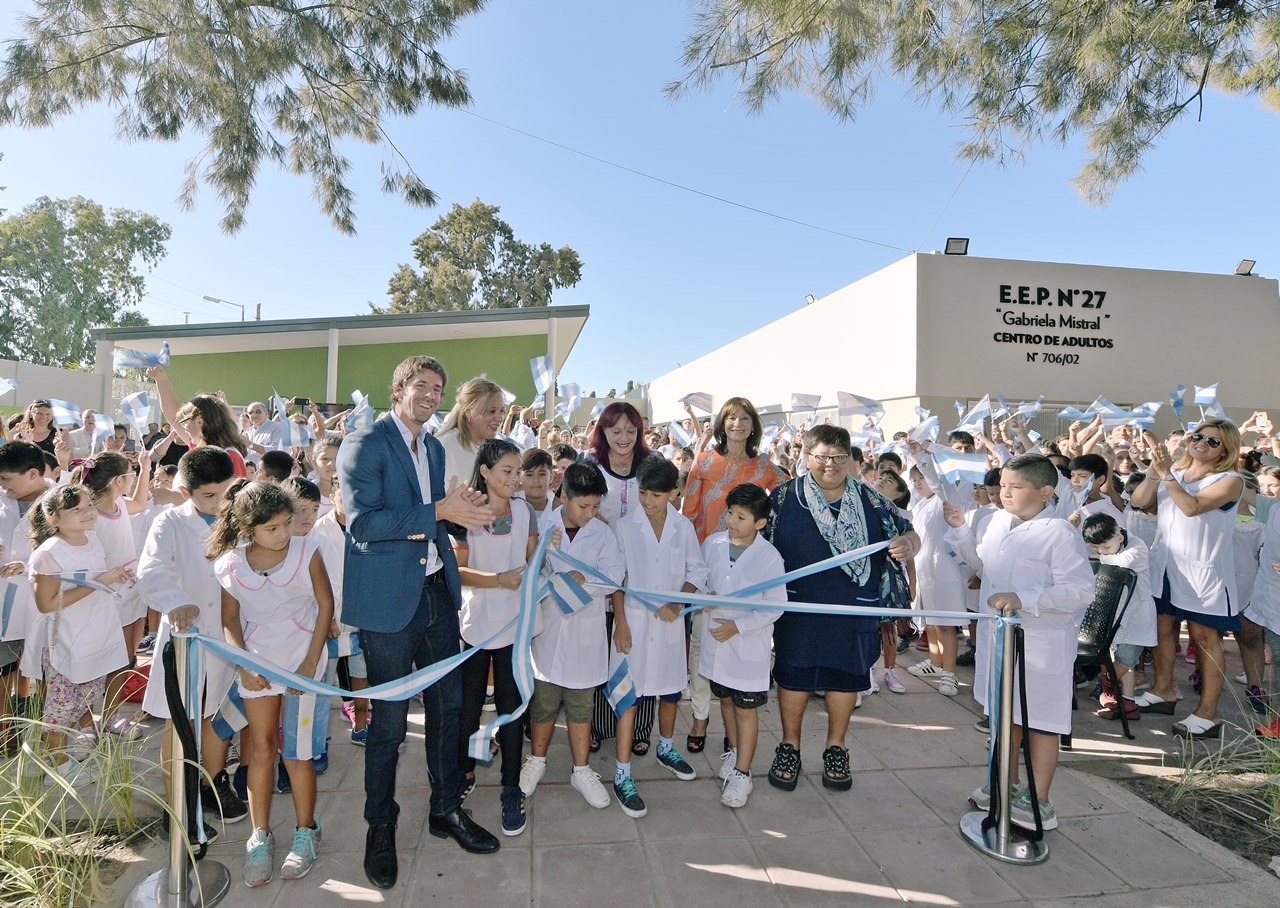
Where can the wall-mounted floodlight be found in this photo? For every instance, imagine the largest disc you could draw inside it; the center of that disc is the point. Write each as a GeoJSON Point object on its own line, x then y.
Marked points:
{"type": "Point", "coordinates": [810, 299]}
{"type": "Point", "coordinates": [957, 245]}
{"type": "Point", "coordinates": [1245, 268]}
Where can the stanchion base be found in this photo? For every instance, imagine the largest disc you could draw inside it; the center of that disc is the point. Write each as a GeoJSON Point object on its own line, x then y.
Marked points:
{"type": "Point", "coordinates": [209, 883]}
{"type": "Point", "coordinates": [1021, 849]}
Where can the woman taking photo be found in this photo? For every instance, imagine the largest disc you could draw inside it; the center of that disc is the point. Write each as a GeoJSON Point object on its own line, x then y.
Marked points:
{"type": "Point", "coordinates": [734, 460]}
{"type": "Point", "coordinates": [824, 513]}
{"type": "Point", "coordinates": [1196, 500]}
{"type": "Point", "coordinates": [475, 418]}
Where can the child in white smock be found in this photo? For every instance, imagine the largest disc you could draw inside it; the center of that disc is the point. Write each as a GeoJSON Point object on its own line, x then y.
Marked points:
{"type": "Point", "coordinates": [277, 604]}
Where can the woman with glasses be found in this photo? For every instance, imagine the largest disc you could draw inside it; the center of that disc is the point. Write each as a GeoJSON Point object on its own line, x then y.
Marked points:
{"type": "Point", "coordinates": [37, 426]}
{"type": "Point", "coordinates": [1196, 499]}
{"type": "Point", "coordinates": [203, 420]}
{"type": "Point", "coordinates": [824, 513]}
{"type": "Point", "coordinates": [734, 460]}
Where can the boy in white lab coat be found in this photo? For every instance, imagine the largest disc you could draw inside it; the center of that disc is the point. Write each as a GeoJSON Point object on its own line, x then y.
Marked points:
{"type": "Point", "coordinates": [1035, 565]}
{"type": "Point", "coordinates": [571, 655]}
{"type": "Point", "coordinates": [1138, 624]}
{"type": "Point", "coordinates": [736, 641]}
{"type": "Point", "coordinates": [660, 548]}
{"type": "Point", "coordinates": [177, 580]}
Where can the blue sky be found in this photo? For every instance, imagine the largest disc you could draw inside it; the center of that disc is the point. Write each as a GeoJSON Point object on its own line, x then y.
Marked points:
{"type": "Point", "coordinates": [669, 275]}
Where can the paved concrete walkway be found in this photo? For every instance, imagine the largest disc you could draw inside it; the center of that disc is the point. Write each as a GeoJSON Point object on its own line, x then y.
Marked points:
{"type": "Point", "coordinates": [893, 838]}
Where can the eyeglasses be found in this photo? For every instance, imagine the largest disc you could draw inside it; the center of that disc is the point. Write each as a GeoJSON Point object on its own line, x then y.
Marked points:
{"type": "Point", "coordinates": [1210, 440]}
{"type": "Point", "coordinates": [838, 459]}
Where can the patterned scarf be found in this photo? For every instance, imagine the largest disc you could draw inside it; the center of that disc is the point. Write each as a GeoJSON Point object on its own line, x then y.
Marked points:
{"type": "Point", "coordinates": [845, 534]}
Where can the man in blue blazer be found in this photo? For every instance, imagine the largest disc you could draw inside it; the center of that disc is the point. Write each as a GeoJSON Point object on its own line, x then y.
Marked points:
{"type": "Point", "coordinates": [401, 589]}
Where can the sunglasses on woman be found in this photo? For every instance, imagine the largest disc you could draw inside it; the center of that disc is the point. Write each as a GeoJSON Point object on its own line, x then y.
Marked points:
{"type": "Point", "coordinates": [1210, 440]}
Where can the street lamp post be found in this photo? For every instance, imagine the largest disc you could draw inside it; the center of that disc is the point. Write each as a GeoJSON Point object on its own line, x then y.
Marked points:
{"type": "Point", "coordinates": [214, 299]}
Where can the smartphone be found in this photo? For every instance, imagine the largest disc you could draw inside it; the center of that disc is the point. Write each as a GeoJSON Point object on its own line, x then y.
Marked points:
{"type": "Point", "coordinates": [302, 401]}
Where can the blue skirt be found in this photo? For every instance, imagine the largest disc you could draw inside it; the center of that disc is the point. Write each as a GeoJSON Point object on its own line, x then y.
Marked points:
{"type": "Point", "coordinates": [817, 677]}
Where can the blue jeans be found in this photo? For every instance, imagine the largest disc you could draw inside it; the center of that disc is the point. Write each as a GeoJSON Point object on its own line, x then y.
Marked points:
{"type": "Point", "coordinates": [430, 635]}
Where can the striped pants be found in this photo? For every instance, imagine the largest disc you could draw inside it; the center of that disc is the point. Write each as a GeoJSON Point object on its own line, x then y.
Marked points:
{"type": "Point", "coordinates": [603, 722]}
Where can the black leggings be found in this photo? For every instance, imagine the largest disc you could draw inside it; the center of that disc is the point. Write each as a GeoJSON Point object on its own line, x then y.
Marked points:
{"type": "Point", "coordinates": [506, 696]}
{"type": "Point", "coordinates": [603, 723]}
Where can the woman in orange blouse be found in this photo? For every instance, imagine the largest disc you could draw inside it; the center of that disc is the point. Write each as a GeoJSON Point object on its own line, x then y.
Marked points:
{"type": "Point", "coordinates": [734, 460]}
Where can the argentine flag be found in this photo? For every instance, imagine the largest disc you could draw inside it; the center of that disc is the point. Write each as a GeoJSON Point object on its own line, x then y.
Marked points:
{"type": "Point", "coordinates": [853, 405]}
{"type": "Point", "coordinates": [620, 690]}
{"type": "Point", "coordinates": [65, 413]}
{"type": "Point", "coordinates": [124, 358]}
{"type": "Point", "coordinates": [700, 400]}
{"type": "Point", "coordinates": [137, 410]}
{"type": "Point", "coordinates": [568, 594]}
{"type": "Point", "coordinates": [8, 384]}
{"type": "Point", "coordinates": [954, 466]}
{"type": "Point", "coordinates": [541, 370]}
{"type": "Point", "coordinates": [805, 403]}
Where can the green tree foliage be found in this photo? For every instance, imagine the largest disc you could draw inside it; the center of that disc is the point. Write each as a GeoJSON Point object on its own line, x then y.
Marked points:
{"type": "Point", "coordinates": [66, 266]}
{"type": "Point", "coordinates": [471, 259]}
{"type": "Point", "coordinates": [1019, 72]}
{"type": "Point", "coordinates": [284, 81]}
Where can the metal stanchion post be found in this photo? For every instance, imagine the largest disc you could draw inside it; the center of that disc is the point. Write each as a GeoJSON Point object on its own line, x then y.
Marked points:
{"type": "Point", "coordinates": [1004, 841]}
{"type": "Point", "coordinates": [179, 884]}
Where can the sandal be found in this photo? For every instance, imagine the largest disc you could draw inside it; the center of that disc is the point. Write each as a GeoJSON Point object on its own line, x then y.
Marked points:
{"type": "Point", "coordinates": [1112, 711]}
{"type": "Point", "coordinates": [1195, 727]}
{"type": "Point", "coordinates": [595, 745]}
{"type": "Point", "coordinates": [641, 747]}
{"type": "Point", "coordinates": [785, 771]}
{"type": "Point", "coordinates": [696, 744]}
{"type": "Point", "coordinates": [835, 769]}
{"type": "Point", "coordinates": [1150, 703]}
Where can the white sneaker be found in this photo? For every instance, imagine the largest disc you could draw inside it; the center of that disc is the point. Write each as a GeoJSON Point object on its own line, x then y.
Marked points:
{"type": "Point", "coordinates": [75, 773]}
{"type": "Point", "coordinates": [728, 762]}
{"type": "Point", "coordinates": [531, 774]}
{"type": "Point", "coordinates": [736, 791]}
{"type": "Point", "coordinates": [892, 682]}
{"type": "Point", "coordinates": [302, 853]}
{"type": "Point", "coordinates": [857, 704]}
{"type": "Point", "coordinates": [947, 685]}
{"type": "Point", "coordinates": [925, 669]}
{"type": "Point", "coordinates": [1241, 678]}
{"type": "Point", "coordinates": [589, 786]}
{"type": "Point", "coordinates": [875, 685]}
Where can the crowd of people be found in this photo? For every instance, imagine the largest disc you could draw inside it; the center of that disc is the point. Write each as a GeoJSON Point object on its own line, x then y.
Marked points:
{"type": "Point", "coordinates": [370, 553]}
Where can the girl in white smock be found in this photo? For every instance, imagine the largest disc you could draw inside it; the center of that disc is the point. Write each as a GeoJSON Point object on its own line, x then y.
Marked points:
{"type": "Point", "coordinates": [277, 603]}
{"type": "Point", "coordinates": [77, 634]}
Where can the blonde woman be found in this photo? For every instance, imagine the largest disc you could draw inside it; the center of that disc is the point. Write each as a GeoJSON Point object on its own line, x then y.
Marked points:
{"type": "Point", "coordinates": [475, 418]}
{"type": "Point", "coordinates": [1196, 509]}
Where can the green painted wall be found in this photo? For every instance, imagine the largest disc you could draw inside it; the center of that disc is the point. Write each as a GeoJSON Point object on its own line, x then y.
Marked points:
{"type": "Point", "coordinates": [246, 377]}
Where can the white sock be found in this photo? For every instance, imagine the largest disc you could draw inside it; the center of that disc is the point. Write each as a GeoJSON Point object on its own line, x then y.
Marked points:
{"type": "Point", "coordinates": [583, 768]}
{"type": "Point", "coordinates": [537, 759]}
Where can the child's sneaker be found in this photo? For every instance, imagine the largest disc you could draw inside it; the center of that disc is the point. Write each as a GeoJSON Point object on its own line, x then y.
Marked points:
{"type": "Point", "coordinates": [1191, 653]}
{"type": "Point", "coordinates": [1021, 812]}
{"type": "Point", "coordinates": [321, 763]}
{"type": "Point", "coordinates": [893, 682]}
{"type": "Point", "coordinates": [629, 799]}
{"type": "Point", "coordinates": [875, 685]}
{"type": "Point", "coordinates": [513, 817]}
{"type": "Point", "coordinates": [947, 685]}
{"type": "Point", "coordinates": [122, 727]}
{"type": "Point", "coordinates": [75, 773]}
{"type": "Point", "coordinates": [925, 669]}
{"type": "Point", "coordinates": [531, 774]}
{"type": "Point", "coordinates": [221, 800]}
{"type": "Point", "coordinates": [1242, 678]}
{"type": "Point", "coordinates": [728, 763]}
{"type": "Point", "coordinates": [587, 784]}
{"type": "Point", "coordinates": [736, 790]}
{"type": "Point", "coordinates": [360, 738]}
{"type": "Point", "coordinates": [259, 858]}
{"type": "Point", "coordinates": [982, 797]}
{"type": "Point", "coordinates": [302, 853]}
{"type": "Point", "coordinates": [672, 760]}
{"type": "Point", "coordinates": [348, 710]}
{"type": "Point", "coordinates": [283, 785]}
{"type": "Point", "coordinates": [1257, 699]}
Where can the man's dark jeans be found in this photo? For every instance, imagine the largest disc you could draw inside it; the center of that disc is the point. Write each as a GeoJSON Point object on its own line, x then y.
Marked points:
{"type": "Point", "coordinates": [430, 636]}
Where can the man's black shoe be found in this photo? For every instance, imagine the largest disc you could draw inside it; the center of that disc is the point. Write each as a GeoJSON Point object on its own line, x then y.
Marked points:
{"type": "Point", "coordinates": [458, 825]}
{"type": "Point", "coordinates": [380, 864]}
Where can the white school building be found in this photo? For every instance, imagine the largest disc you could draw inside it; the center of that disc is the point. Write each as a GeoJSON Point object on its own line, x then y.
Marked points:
{"type": "Point", "coordinates": [931, 329]}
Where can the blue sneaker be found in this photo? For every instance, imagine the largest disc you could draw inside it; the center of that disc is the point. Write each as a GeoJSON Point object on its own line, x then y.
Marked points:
{"type": "Point", "coordinates": [321, 763]}
{"type": "Point", "coordinates": [513, 817]}
{"type": "Point", "coordinates": [283, 785]}
{"type": "Point", "coordinates": [672, 760]}
{"type": "Point", "coordinates": [360, 738]}
{"type": "Point", "coordinates": [629, 799]}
